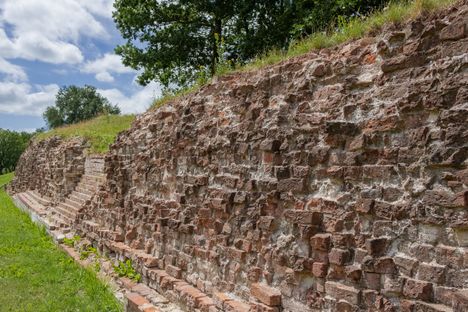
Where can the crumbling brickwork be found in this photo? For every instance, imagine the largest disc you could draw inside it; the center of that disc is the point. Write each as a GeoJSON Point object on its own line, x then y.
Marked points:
{"type": "Point", "coordinates": [334, 181]}
{"type": "Point", "coordinates": [52, 167]}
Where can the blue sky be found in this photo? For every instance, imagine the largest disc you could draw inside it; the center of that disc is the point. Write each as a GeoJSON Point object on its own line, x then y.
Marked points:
{"type": "Point", "coordinates": [46, 44]}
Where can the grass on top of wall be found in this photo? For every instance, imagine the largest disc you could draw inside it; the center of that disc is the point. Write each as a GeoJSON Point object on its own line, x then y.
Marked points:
{"type": "Point", "coordinates": [395, 12]}
{"type": "Point", "coordinates": [36, 276]}
{"type": "Point", "coordinates": [100, 131]}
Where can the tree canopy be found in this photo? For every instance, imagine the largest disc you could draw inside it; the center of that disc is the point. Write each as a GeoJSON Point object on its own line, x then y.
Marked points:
{"type": "Point", "coordinates": [74, 104]}
{"type": "Point", "coordinates": [12, 145]}
{"type": "Point", "coordinates": [174, 41]}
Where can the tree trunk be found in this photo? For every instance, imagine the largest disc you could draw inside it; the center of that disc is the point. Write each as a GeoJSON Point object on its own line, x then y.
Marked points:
{"type": "Point", "coordinates": [217, 35]}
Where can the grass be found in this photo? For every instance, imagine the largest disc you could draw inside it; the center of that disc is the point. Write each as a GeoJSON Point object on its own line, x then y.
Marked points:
{"type": "Point", "coordinates": [100, 131]}
{"type": "Point", "coordinates": [395, 12]}
{"type": "Point", "coordinates": [35, 275]}
{"type": "Point", "coordinates": [6, 178]}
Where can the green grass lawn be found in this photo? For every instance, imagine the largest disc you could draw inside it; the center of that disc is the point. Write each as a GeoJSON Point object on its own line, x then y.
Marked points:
{"type": "Point", "coordinates": [35, 275]}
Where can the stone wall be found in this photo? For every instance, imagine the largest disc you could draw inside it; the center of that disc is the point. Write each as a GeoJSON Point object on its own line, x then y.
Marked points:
{"type": "Point", "coordinates": [338, 178]}
{"type": "Point", "coordinates": [334, 181]}
{"type": "Point", "coordinates": [52, 167]}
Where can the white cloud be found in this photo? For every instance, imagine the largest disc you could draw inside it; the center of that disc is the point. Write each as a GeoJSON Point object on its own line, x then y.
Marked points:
{"type": "Point", "coordinates": [24, 99]}
{"type": "Point", "coordinates": [104, 77]}
{"type": "Point", "coordinates": [102, 8]}
{"type": "Point", "coordinates": [12, 72]}
{"type": "Point", "coordinates": [104, 66]}
{"type": "Point", "coordinates": [138, 102]}
{"type": "Point", "coordinates": [49, 30]}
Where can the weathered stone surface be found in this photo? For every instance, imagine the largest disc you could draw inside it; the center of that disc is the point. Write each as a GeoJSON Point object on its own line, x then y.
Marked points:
{"type": "Point", "coordinates": [267, 295]}
{"type": "Point", "coordinates": [338, 179]}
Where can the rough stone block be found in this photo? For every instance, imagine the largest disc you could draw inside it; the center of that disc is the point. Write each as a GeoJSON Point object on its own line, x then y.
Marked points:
{"type": "Point", "coordinates": [377, 246]}
{"type": "Point", "coordinates": [420, 290]}
{"type": "Point", "coordinates": [319, 269]}
{"type": "Point", "coordinates": [338, 256]}
{"type": "Point", "coordinates": [321, 242]}
{"type": "Point", "coordinates": [433, 273]}
{"type": "Point", "coordinates": [265, 294]}
{"type": "Point", "coordinates": [340, 291]}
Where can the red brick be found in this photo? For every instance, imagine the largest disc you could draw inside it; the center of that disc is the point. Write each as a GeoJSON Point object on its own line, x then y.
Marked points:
{"type": "Point", "coordinates": [338, 256]}
{"type": "Point", "coordinates": [220, 299]}
{"type": "Point", "coordinates": [385, 265]}
{"type": "Point", "coordinates": [236, 306]}
{"type": "Point", "coordinates": [431, 272]}
{"type": "Point", "coordinates": [265, 294]}
{"type": "Point", "coordinates": [460, 302]}
{"type": "Point", "coordinates": [321, 242]}
{"type": "Point", "coordinates": [260, 307]}
{"type": "Point", "coordinates": [319, 269]}
{"type": "Point", "coordinates": [455, 31]}
{"type": "Point", "coordinates": [405, 264]}
{"type": "Point", "coordinates": [304, 217]}
{"type": "Point", "coordinates": [174, 271]}
{"type": "Point", "coordinates": [235, 254]}
{"type": "Point", "coordinates": [340, 291]}
{"type": "Point", "coordinates": [415, 289]}
{"type": "Point", "coordinates": [134, 301]}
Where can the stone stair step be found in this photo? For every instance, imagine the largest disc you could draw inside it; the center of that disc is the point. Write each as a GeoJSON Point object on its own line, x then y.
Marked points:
{"type": "Point", "coordinates": [71, 207]}
{"type": "Point", "coordinates": [77, 196]}
{"type": "Point", "coordinates": [94, 177]}
{"type": "Point", "coordinates": [61, 221]}
{"type": "Point", "coordinates": [38, 198]}
{"type": "Point", "coordinates": [88, 186]}
{"type": "Point", "coordinates": [64, 212]}
{"type": "Point", "coordinates": [75, 201]}
{"type": "Point", "coordinates": [29, 201]}
{"type": "Point", "coordinates": [85, 191]}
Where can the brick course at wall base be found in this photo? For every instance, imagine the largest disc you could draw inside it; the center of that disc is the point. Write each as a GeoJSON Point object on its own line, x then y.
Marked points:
{"type": "Point", "coordinates": [334, 181]}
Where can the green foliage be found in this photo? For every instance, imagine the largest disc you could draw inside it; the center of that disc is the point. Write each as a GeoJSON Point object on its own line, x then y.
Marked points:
{"type": "Point", "coordinates": [178, 41]}
{"type": "Point", "coordinates": [74, 104]}
{"type": "Point", "coordinates": [71, 242]}
{"type": "Point", "coordinates": [12, 145]}
{"type": "Point", "coordinates": [35, 275]}
{"type": "Point", "coordinates": [87, 251]}
{"type": "Point", "coordinates": [343, 30]}
{"type": "Point", "coordinates": [125, 269]}
{"type": "Point", "coordinates": [100, 131]}
{"type": "Point", "coordinates": [97, 265]}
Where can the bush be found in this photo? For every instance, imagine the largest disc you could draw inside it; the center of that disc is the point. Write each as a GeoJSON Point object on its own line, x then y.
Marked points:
{"type": "Point", "coordinates": [12, 145]}
{"type": "Point", "coordinates": [74, 104]}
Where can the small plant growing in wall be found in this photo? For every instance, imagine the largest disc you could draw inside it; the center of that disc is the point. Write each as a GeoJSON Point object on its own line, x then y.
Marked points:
{"type": "Point", "coordinates": [97, 265]}
{"type": "Point", "coordinates": [126, 269]}
{"type": "Point", "coordinates": [71, 242]}
{"type": "Point", "coordinates": [88, 251]}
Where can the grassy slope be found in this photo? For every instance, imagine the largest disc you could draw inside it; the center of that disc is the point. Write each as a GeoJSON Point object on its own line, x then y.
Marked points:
{"type": "Point", "coordinates": [396, 12]}
{"type": "Point", "coordinates": [36, 276]}
{"type": "Point", "coordinates": [100, 131]}
{"type": "Point", "coordinates": [4, 179]}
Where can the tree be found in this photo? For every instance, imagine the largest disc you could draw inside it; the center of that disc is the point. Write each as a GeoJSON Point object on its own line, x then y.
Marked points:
{"type": "Point", "coordinates": [173, 41]}
{"type": "Point", "coordinates": [12, 145]}
{"type": "Point", "coordinates": [318, 15]}
{"type": "Point", "coordinates": [74, 104]}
